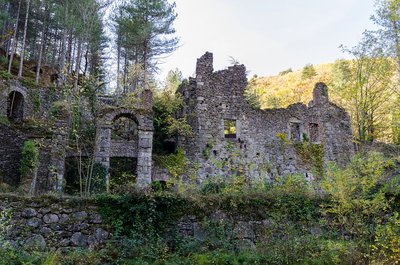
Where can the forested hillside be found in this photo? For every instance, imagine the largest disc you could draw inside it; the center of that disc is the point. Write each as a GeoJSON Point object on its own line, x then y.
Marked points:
{"type": "Point", "coordinates": [75, 40]}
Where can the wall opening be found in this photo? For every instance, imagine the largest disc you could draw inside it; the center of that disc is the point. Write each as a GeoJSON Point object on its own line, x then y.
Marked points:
{"type": "Point", "coordinates": [123, 171]}
{"type": "Point", "coordinates": [295, 134]}
{"type": "Point", "coordinates": [124, 129]}
{"type": "Point", "coordinates": [15, 107]}
{"type": "Point", "coordinates": [314, 132]}
{"type": "Point", "coordinates": [230, 128]}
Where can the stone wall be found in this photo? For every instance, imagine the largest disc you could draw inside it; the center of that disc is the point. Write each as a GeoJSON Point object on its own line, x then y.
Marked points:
{"type": "Point", "coordinates": [53, 223]}
{"type": "Point", "coordinates": [37, 101]}
{"type": "Point", "coordinates": [49, 223]}
{"type": "Point", "coordinates": [11, 143]}
{"type": "Point", "coordinates": [264, 142]}
{"type": "Point", "coordinates": [105, 147]}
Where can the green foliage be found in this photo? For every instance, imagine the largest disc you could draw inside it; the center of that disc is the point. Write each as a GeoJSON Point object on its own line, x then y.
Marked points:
{"type": "Point", "coordinates": [176, 164]}
{"type": "Point", "coordinates": [122, 178]}
{"type": "Point", "coordinates": [166, 104]}
{"type": "Point", "coordinates": [146, 30]}
{"type": "Point", "coordinates": [251, 94]}
{"type": "Point", "coordinates": [308, 71]}
{"type": "Point", "coordinates": [28, 82]}
{"type": "Point", "coordinates": [386, 246]}
{"type": "Point", "coordinates": [5, 226]}
{"type": "Point", "coordinates": [282, 138]}
{"type": "Point", "coordinates": [59, 107]}
{"type": "Point", "coordinates": [357, 203]}
{"type": "Point", "coordinates": [147, 215]}
{"type": "Point", "coordinates": [30, 158]}
{"type": "Point", "coordinates": [93, 176]}
{"type": "Point", "coordinates": [285, 72]}
{"type": "Point", "coordinates": [311, 154]}
{"type": "Point", "coordinates": [396, 123]}
{"type": "Point", "coordinates": [291, 184]}
{"type": "Point", "coordinates": [5, 75]}
{"type": "Point", "coordinates": [4, 120]}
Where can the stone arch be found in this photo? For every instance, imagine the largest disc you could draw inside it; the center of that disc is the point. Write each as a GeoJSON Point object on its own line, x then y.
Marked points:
{"type": "Point", "coordinates": [15, 106]}
{"type": "Point", "coordinates": [143, 150]}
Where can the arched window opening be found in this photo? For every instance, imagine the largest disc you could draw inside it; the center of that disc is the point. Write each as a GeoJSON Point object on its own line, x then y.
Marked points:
{"type": "Point", "coordinates": [124, 128]}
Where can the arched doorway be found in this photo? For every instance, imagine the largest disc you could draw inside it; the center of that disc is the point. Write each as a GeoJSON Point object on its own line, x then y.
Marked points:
{"type": "Point", "coordinates": [15, 107]}
{"type": "Point", "coordinates": [125, 133]}
{"type": "Point", "coordinates": [123, 152]}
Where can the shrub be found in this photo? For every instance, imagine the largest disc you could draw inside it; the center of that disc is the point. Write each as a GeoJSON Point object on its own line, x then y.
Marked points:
{"type": "Point", "coordinates": [5, 75]}
{"type": "Point", "coordinates": [30, 158]}
{"type": "Point", "coordinates": [386, 246]}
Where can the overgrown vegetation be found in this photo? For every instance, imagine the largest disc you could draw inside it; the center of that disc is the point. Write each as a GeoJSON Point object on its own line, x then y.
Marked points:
{"type": "Point", "coordinates": [29, 166]}
{"type": "Point", "coordinates": [354, 220]}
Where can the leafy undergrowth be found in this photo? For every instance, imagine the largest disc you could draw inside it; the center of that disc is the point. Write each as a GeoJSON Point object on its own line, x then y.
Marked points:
{"type": "Point", "coordinates": [350, 217]}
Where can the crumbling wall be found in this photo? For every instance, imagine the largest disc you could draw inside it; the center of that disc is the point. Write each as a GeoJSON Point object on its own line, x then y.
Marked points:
{"type": "Point", "coordinates": [264, 144]}
{"type": "Point", "coordinates": [105, 147]}
{"type": "Point", "coordinates": [37, 101]}
{"type": "Point", "coordinates": [11, 143]}
{"type": "Point", "coordinates": [48, 223]}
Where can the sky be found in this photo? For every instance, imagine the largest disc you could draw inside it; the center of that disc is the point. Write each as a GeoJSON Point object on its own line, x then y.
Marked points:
{"type": "Point", "coordinates": [267, 36]}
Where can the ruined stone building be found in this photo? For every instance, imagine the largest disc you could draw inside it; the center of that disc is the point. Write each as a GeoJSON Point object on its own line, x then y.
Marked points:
{"type": "Point", "coordinates": [19, 105]}
{"type": "Point", "coordinates": [229, 136]}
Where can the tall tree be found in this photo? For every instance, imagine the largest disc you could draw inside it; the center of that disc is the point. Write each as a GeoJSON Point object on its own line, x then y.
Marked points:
{"type": "Point", "coordinates": [147, 27]}
{"type": "Point", "coordinates": [387, 17]}
{"type": "Point", "coordinates": [43, 40]}
{"type": "Point", "coordinates": [14, 39]}
{"type": "Point", "coordinates": [368, 91]}
{"type": "Point", "coordinates": [21, 64]}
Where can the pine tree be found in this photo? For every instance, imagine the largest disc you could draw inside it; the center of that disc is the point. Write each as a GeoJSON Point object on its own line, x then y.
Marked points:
{"type": "Point", "coordinates": [146, 28]}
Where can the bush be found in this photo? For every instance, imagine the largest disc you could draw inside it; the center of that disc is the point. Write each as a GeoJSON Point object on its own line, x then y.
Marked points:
{"type": "Point", "coordinates": [5, 75]}
{"type": "Point", "coordinates": [30, 158]}
{"type": "Point", "coordinates": [386, 246]}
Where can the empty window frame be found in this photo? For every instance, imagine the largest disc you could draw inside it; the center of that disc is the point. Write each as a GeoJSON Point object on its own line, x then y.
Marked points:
{"type": "Point", "coordinates": [230, 128]}
{"type": "Point", "coordinates": [295, 134]}
{"type": "Point", "coordinates": [314, 132]}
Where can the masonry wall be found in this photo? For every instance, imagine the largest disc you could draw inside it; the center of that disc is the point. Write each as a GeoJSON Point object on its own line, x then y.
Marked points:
{"type": "Point", "coordinates": [257, 151]}
{"type": "Point", "coordinates": [11, 142]}
{"type": "Point", "coordinates": [37, 105]}
{"type": "Point", "coordinates": [37, 101]}
{"type": "Point", "coordinates": [49, 223]}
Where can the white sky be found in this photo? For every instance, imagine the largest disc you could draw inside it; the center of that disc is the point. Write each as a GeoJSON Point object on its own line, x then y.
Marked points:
{"type": "Point", "coordinates": [268, 36]}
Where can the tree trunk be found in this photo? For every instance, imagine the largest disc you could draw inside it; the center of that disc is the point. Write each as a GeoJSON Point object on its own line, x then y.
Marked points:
{"type": "Point", "coordinates": [14, 39]}
{"type": "Point", "coordinates": [64, 46]}
{"type": "Point", "coordinates": [42, 45]}
{"type": "Point", "coordinates": [118, 59]}
{"type": "Point", "coordinates": [78, 64]}
{"type": "Point", "coordinates": [21, 64]}
{"type": "Point", "coordinates": [54, 52]}
{"type": "Point", "coordinates": [145, 64]}
{"type": "Point", "coordinates": [70, 51]}
{"type": "Point", "coordinates": [86, 60]}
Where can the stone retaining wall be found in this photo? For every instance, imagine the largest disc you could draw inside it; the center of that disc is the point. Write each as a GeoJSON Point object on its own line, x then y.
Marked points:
{"type": "Point", "coordinates": [49, 223]}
